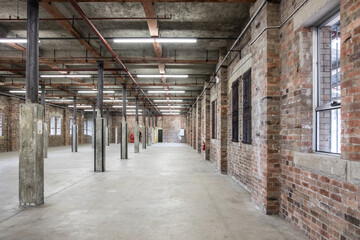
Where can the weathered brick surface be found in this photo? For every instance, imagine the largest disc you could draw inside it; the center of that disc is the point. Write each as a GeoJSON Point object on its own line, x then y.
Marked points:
{"type": "Point", "coordinates": [205, 124]}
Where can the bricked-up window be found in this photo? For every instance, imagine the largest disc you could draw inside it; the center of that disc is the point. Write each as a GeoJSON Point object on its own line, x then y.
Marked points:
{"type": "Point", "coordinates": [235, 112]}
{"type": "Point", "coordinates": [52, 125]}
{"type": "Point", "coordinates": [246, 138]}
{"type": "Point", "coordinates": [328, 114]}
{"type": "Point", "coordinates": [1, 124]}
{"type": "Point", "coordinates": [58, 125]}
{"type": "Point", "coordinates": [85, 127]}
{"type": "Point", "coordinates": [213, 119]}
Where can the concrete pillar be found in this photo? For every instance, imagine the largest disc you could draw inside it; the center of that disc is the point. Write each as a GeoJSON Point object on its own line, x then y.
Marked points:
{"type": "Point", "coordinates": [144, 135]}
{"type": "Point", "coordinates": [43, 97]}
{"type": "Point", "coordinates": [107, 128]}
{"type": "Point", "coordinates": [116, 135]}
{"type": "Point", "coordinates": [124, 138]}
{"type": "Point", "coordinates": [31, 158]}
{"type": "Point", "coordinates": [149, 128]}
{"type": "Point", "coordinates": [99, 148]}
{"type": "Point", "coordinates": [74, 136]}
{"type": "Point", "coordinates": [93, 127]}
{"type": "Point", "coordinates": [136, 128]}
{"type": "Point", "coordinates": [153, 129]}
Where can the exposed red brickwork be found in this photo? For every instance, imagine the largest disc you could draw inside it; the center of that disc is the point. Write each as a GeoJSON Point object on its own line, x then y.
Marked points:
{"type": "Point", "coordinates": [350, 79]}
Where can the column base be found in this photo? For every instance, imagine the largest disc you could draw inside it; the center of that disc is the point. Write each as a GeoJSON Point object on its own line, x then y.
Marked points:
{"type": "Point", "coordinates": [99, 148]}
{"type": "Point", "coordinates": [31, 158]}
{"type": "Point", "coordinates": [74, 139]}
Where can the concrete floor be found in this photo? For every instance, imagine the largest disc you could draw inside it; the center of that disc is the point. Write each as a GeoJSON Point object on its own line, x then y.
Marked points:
{"type": "Point", "coordinates": [165, 192]}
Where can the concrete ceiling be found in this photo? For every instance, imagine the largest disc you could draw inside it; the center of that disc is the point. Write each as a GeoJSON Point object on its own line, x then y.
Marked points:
{"type": "Point", "coordinates": [215, 24]}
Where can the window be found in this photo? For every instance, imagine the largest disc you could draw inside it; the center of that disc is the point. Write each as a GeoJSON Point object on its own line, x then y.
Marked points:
{"type": "Point", "coordinates": [58, 125]}
{"type": "Point", "coordinates": [213, 119]}
{"type": "Point", "coordinates": [1, 125]}
{"type": "Point", "coordinates": [247, 108]}
{"type": "Point", "coordinates": [52, 125]}
{"type": "Point", "coordinates": [235, 111]}
{"type": "Point", "coordinates": [71, 125]}
{"type": "Point", "coordinates": [327, 100]}
{"type": "Point", "coordinates": [85, 127]}
{"type": "Point", "coordinates": [89, 127]}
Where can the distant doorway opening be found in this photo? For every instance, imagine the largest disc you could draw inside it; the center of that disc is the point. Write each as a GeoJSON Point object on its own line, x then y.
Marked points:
{"type": "Point", "coordinates": [160, 135]}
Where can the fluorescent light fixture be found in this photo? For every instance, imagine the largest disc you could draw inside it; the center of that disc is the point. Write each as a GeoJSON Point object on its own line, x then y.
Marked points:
{"type": "Point", "coordinates": [120, 106]}
{"type": "Point", "coordinates": [81, 106]}
{"type": "Point", "coordinates": [166, 110]}
{"type": "Point", "coordinates": [161, 75]}
{"type": "Point", "coordinates": [170, 106]}
{"type": "Point", "coordinates": [171, 113]}
{"type": "Point", "coordinates": [155, 40]}
{"type": "Point", "coordinates": [113, 100]}
{"type": "Point", "coordinates": [94, 91]}
{"type": "Point", "coordinates": [165, 100]}
{"type": "Point", "coordinates": [162, 91]}
{"type": "Point", "coordinates": [19, 91]}
{"type": "Point", "coordinates": [89, 110]}
{"type": "Point", "coordinates": [66, 76]}
{"type": "Point", "coordinates": [13, 40]}
{"type": "Point", "coordinates": [59, 100]}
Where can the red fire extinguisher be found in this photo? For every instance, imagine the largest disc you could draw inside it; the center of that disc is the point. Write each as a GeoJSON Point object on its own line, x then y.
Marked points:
{"type": "Point", "coordinates": [132, 138]}
{"type": "Point", "coordinates": [203, 146]}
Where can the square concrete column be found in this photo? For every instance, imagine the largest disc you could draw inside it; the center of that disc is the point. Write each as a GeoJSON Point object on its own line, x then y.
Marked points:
{"type": "Point", "coordinates": [45, 133]}
{"type": "Point", "coordinates": [149, 129]}
{"type": "Point", "coordinates": [46, 137]}
{"type": "Point", "coordinates": [116, 135]}
{"type": "Point", "coordinates": [124, 134]}
{"type": "Point", "coordinates": [100, 152]}
{"type": "Point", "coordinates": [124, 140]}
{"type": "Point", "coordinates": [31, 159]}
{"type": "Point", "coordinates": [99, 148]}
{"type": "Point", "coordinates": [74, 138]}
{"type": "Point", "coordinates": [144, 133]}
{"type": "Point", "coordinates": [93, 127]}
{"type": "Point", "coordinates": [137, 128]}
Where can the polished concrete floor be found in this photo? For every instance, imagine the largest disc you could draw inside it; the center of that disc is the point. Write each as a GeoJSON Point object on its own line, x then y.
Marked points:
{"type": "Point", "coordinates": [165, 192]}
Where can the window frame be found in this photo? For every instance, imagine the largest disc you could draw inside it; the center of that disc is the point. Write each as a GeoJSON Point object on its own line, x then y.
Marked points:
{"type": "Point", "coordinates": [235, 111]}
{"type": "Point", "coordinates": [52, 124]}
{"type": "Point", "coordinates": [85, 127]}
{"type": "Point", "coordinates": [317, 108]}
{"type": "Point", "coordinates": [247, 137]}
{"type": "Point", "coordinates": [58, 128]}
{"type": "Point", "coordinates": [213, 119]}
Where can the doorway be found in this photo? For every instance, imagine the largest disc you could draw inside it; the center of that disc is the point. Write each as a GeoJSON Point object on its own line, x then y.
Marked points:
{"type": "Point", "coordinates": [160, 135]}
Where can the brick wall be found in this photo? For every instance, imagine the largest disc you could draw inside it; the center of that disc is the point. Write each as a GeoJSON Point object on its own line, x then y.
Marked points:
{"type": "Point", "coordinates": [9, 141]}
{"type": "Point", "coordinates": [320, 196]}
{"type": "Point", "coordinates": [205, 124]}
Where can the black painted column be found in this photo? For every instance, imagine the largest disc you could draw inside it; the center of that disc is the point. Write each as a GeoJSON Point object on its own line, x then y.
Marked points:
{"type": "Point", "coordinates": [144, 131]}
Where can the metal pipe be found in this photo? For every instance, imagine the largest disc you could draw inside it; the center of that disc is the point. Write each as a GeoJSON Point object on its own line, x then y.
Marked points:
{"type": "Point", "coordinates": [115, 56]}
{"type": "Point", "coordinates": [63, 69]}
{"type": "Point", "coordinates": [90, 18]}
{"type": "Point", "coordinates": [32, 52]}
{"type": "Point", "coordinates": [232, 47]}
{"type": "Point", "coordinates": [100, 87]}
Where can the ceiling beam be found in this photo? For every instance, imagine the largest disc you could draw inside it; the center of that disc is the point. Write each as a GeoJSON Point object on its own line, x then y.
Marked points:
{"type": "Point", "coordinates": [78, 61]}
{"type": "Point", "coordinates": [202, 1]}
